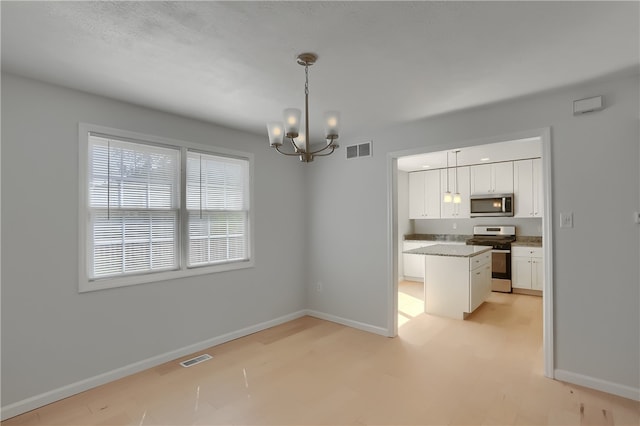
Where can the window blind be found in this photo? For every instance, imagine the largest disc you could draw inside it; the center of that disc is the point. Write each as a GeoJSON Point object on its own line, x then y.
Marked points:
{"type": "Point", "coordinates": [133, 207]}
{"type": "Point", "coordinates": [217, 208]}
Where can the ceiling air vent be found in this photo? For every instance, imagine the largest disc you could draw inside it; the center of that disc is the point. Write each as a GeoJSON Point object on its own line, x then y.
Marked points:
{"type": "Point", "coordinates": [196, 360]}
{"type": "Point", "coordinates": [359, 150]}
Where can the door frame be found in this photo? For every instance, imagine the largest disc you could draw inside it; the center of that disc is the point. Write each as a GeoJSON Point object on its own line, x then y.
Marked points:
{"type": "Point", "coordinates": [544, 134]}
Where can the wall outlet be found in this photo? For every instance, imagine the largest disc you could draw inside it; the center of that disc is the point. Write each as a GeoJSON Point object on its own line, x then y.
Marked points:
{"type": "Point", "coordinates": [566, 220]}
{"type": "Point", "coordinates": [319, 286]}
{"type": "Point", "coordinates": [455, 225]}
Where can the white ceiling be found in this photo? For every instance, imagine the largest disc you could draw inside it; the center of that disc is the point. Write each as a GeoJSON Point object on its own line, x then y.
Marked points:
{"type": "Point", "coordinates": [489, 153]}
{"type": "Point", "coordinates": [380, 63]}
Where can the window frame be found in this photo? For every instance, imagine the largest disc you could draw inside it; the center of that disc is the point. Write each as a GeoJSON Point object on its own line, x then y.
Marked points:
{"type": "Point", "coordinates": [185, 212]}
{"type": "Point", "coordinates": [88, 285]}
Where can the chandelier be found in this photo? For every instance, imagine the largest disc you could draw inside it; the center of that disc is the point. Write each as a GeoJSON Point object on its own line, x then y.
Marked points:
{"type": "Point", "coordinates": [290, 129]}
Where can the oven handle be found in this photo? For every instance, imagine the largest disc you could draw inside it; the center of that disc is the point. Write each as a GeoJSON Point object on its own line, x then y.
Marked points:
{"type": "Point", "coordinates": [500, 251]}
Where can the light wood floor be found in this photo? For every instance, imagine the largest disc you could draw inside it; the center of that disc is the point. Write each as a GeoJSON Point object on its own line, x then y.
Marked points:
{"type": "Point", "coordinates": [484, 370]}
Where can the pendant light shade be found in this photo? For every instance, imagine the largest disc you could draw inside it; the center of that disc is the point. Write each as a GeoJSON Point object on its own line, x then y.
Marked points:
{"type": "Point", "coordinates": [276, 133]}
{"type": "Point", "coordinates": [292, 122]}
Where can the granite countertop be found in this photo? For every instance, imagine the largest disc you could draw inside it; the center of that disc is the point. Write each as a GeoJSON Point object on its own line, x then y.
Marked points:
{"type": "Point", "coordinates": [527, 241]}
{"type": "Point", "coordinates": [437, 237]}
{"type": "Point", "coordinates": [450, 250]}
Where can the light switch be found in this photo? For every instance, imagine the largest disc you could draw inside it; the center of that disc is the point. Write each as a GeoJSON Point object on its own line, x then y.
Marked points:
{"type": "Point", "coordinates": [566, 220]}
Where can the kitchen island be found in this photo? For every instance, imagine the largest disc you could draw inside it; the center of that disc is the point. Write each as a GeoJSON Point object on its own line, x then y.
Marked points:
{"type": "Point", "coordinates": [457, 278]}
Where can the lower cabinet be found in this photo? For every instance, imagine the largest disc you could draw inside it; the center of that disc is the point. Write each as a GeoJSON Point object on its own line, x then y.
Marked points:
{"type": "Point", "coordinates": [413, 264]}
{"type": "Point", "coordinates": [456, 286]}
{"type": "Point", "coordinates": [479, 285]}
{"type": "Point", "coordinates": [527, 271]}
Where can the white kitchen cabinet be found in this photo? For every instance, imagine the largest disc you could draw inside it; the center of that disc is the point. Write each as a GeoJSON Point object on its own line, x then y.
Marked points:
{"type": "Point", "coordinates": [456, 286]}
{"type": "Point", "coordinates": [424, 195]}
{"type": "Point", "coordinates": [413, 264]}
{"type": "Point", "coordinates": [480, 285]}
{"type": "Point", "coordinates": [463, 209]}
{"type": "Point", "coordinates": [527, 188]}
{"type": "Point", "coordinates": [527, 268]}
{"type": "Point", "coordinates": [494, 178]}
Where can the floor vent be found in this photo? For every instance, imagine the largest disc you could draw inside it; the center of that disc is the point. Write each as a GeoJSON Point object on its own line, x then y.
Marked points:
{"type": "Point", "coordinates": [196, 360]}
{"type": "Point", "coordinates": [359, 150]}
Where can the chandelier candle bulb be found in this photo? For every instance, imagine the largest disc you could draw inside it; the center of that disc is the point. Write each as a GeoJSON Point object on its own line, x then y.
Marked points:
{"type": "Point", "coordinates": [292, 122]}
{"type": "Point", "coordinates": [331, 124]}
{"type": "Point", "coordinates": [276, 133]}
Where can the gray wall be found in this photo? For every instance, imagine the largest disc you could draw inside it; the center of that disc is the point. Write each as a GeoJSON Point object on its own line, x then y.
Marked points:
{"type": "Point", "coordinates": [528, 227]}
{"type": "Point", "coordinates": [596, 276]}
{"type": "Point", "coordinates": [53, 336]}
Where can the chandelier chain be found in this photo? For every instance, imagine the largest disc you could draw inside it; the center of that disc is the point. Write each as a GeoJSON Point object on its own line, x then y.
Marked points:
{"type": "Point", "coordinates": [306, 79]}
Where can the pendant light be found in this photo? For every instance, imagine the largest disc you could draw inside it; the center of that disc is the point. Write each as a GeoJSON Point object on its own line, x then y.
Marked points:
{"type": "Point", "coordinates": [457, 199]}
{"type": "Point", "coordinates": [447, 195]}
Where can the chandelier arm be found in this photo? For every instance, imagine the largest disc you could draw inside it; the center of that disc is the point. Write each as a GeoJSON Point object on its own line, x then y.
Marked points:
{"type": "Point", "coordinates": [296, 148]}
{"type": "Point", "coordinates": [286, 153]}
{"type": "Point", "coordinates": [333, 148]}
{"type": "Point", "coordinates": [322, 149]}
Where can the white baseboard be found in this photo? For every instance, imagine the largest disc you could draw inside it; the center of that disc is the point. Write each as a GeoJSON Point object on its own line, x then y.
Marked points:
{"type": "Point", "coordinates": [34, 402]}
{"type": "Point", "coordinates": [349, 323]}
{"type": "Point", "coordinates": [598, 384]}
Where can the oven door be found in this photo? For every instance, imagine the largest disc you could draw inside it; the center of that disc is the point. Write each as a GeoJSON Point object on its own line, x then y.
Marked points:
{"type": "Point", "coordinates": [501, 264]}
{"type": "Point", "coordinates": [501, 270]}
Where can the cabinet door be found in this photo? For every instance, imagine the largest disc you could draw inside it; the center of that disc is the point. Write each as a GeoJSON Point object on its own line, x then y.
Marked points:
{"type": "Point", "coordinates": [413, 265]}
{"type": "Point", "coordinates": [503, 177]}
{"type": "Point", "coordinates": [538, 188]}
{"type": "Point", "coordinates": [481, 182]}
{"type": "Point", "coordinates": [463, 210]}
{"type": "Point", "coordinates": [416, 195]}
{"type": "Point", "coordinates": [521, 272]}
{"type": "Point", "coordinates": [447, 210]}
{"type": "Point", "coordinates": [537, 273]}
{"type": "Point", "coordinates": [432, 194]}
{"type": "Point", "coordinates": [523, 188]}
{"type": "Point", "coordinates": [480, 286]}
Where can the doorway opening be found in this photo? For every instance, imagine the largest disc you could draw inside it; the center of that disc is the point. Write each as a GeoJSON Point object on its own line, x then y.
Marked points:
{"type": "Point", "coordinates": [454, 224]}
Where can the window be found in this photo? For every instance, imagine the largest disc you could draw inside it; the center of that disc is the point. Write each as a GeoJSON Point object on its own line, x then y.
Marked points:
{"type": "Point", "coordinates": [156, 209]}
{"type": "Point", "coordinates": [217, 209]}
{"type": "Point", "coordinates": [133, 207]}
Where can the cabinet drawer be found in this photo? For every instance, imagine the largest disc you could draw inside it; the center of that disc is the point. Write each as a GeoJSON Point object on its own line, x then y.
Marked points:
{"type": "Point", "coordinates": [479, 260]}
{"type": "Point", "coordinates": [526, 251]}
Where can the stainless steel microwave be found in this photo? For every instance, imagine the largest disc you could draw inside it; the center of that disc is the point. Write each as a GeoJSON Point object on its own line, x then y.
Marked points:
{"type": "Point", "coordinates": [492, 205]}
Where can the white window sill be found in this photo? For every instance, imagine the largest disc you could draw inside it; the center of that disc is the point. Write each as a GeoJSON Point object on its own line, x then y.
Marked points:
{"type": "Point", "coordinates": [106, 283]}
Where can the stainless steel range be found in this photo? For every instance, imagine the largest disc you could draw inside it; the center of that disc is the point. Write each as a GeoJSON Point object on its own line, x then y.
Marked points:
{"type": "Point", "coordinates": [500, 239]}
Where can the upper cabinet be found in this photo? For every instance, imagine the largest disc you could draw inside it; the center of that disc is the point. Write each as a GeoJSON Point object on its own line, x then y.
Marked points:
{"type": "Point", "coordinates": [522, 178]}
{"type": "Point", "coordinates": [492, 178]}
{"type": "Point", "coordinates": [528, 188]}
{"type": "Point", "coordinates": [424, 195]}
{"type": "Point", "coordinates": [452, 210]}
